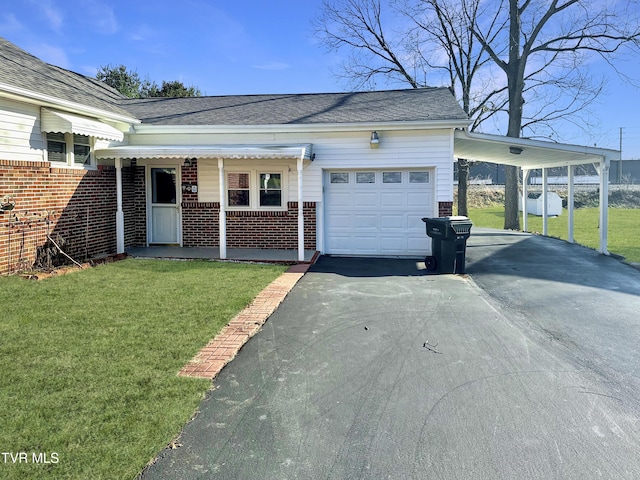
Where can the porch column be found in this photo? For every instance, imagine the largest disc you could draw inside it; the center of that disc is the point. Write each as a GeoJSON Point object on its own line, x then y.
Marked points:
{"type": "Point", "coordinates": [603, 170]}
{"type": "Point", "coordinates": [300, 211]}
{"type": "Point", "coordinates": [525, 219]}
{"type": "Point", "coordinates": [545, 207]}
{"type": "Point", "coordinates": [119, 212]}
{"type": "Point", "coordinates": [222, 218]}
{"type": "Point", "coordinates": [570, 195]}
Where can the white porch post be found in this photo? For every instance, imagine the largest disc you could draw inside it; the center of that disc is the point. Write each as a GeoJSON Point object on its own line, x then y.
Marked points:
{"type": "Point", "coordinates": [545, 210]}
{"type": "Point", "coordinates": [300, 211]}
{"type": "Point", "coordinates": [525, 219]}
{"type": "Point", "coordinates": [119, 212]}
{"type": "Point", "coordinates": [570, 195]}
{"type": "Point", "coordinates": [604, 204]}
{"type": "Point", "coordinates": [222, 218]}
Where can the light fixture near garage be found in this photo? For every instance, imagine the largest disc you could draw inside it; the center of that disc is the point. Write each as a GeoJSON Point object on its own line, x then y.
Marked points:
{"type": "Point", "coordinates": [515, 150]}
{"type": "Point", "coordinates": [375, 140]}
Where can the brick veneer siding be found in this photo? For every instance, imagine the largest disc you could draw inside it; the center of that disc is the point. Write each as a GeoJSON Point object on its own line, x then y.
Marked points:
{"type": "Point", "coordinates": [78, 205]}
{"type": "Point", "coordinates": [248, 229]}
{"type": "Point", "coordinates": [445, 209]}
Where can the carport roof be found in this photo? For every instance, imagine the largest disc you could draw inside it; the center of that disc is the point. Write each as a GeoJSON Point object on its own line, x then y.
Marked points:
{"type": "Point", "coordinates": [525, 153]}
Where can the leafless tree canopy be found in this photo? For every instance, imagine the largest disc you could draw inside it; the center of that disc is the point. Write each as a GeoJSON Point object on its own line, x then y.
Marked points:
{"type": "Point", "coordinates": [522, 67]}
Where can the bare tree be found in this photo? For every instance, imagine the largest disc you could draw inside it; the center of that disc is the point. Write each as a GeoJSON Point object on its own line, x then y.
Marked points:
{"type": "Point", "coordinates": [495, 54]}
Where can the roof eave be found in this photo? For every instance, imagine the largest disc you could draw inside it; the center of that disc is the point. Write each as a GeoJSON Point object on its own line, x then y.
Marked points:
{"type": "Point", "coordinates": [42, 100]}
{"type": "Point", "coordinates": [298, 127]}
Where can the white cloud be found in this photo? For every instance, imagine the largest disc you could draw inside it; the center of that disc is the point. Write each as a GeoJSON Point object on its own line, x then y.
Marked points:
{"type": "Point", "coordinates": [10, 24]}
{"type": "Point", "coordinates": [272, 66]}
{"type": "Point", "coordinates": [52, 13]}
{"type": "Point", "coordinates": [101, 17]}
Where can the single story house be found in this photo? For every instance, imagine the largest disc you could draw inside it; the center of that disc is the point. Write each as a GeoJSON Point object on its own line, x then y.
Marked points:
{"type": "Point", "coordinates": [339, 173]}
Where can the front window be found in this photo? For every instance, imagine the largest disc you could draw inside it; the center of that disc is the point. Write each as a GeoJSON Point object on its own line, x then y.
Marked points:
{"type": "Point", "coordinates": [238, 187]}
{"type": "Point", "coordinates": [56, 147]}
{"type": "Point", "coordinates": [270, 190]}
{"type": "Point", "coordinates": [81, 150]}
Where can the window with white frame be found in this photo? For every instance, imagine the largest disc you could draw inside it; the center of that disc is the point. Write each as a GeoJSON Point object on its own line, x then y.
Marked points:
{"type": "Point", "coordinates": [270, 189]}
{"type": "Point", "coordinates": [70, 149]}
{"type": "Point", "coordinates": [238, 189]}
{"type": "Point", "coordinates": [256, 189]}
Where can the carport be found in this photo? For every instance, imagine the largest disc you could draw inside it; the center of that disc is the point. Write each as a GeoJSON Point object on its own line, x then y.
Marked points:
{"type": "Point", "coordinates": [534, 154]}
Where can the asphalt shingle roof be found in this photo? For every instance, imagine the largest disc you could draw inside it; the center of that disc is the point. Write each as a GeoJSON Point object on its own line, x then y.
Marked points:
{"type": "Point", "coordinates": [422, 104]}
{"type": "Point", "coordinates": [21, 69]}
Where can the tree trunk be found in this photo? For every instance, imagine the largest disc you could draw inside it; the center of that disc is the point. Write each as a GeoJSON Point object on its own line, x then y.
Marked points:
{"type": "Point", "coordinates": [463, 183]}
{"type": "Point", "coordinates": [511, 217]}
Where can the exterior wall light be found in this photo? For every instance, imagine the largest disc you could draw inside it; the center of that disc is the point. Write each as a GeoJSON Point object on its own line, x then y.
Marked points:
{"type": "Point", "coordinates": [375, 140]}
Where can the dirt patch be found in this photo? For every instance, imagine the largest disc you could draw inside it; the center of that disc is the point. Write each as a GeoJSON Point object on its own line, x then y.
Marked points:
{"type": "Point", "coordinates": [66, 269]}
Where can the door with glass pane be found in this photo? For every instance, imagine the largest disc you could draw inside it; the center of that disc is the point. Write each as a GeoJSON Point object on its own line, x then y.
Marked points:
{"type": "Point", "coordinates": [164, 206]}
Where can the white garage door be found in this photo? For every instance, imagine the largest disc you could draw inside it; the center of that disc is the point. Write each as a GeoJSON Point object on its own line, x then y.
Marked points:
{"type": "Point", "coordinates": [377, 212]}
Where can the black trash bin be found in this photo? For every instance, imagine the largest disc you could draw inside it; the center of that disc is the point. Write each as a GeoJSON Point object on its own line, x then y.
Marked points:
{"type": "Point", "coordinates": [448, 243]}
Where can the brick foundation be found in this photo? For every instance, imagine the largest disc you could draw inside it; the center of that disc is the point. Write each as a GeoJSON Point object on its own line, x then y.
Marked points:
{"type": "Point", "coordinates": [77, 206]}
{"type": "Point", "coordinates": [248, 229]}
{"type": "Point", "coordinates": [445, 209]}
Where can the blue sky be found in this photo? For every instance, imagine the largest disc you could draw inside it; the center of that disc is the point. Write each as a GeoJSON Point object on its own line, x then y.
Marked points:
{"type": "Point", "coordinates": [229, 47]}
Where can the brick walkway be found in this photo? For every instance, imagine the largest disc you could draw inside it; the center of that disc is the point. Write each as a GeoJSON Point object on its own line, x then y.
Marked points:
{"type": "Point", "coordinates": [228, 342]}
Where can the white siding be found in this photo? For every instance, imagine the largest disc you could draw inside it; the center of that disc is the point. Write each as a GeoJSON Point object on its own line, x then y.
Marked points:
{"type": "Point", "coordinates": [334, 150]}
{"type": "Point", "coordinates": [20, 136]}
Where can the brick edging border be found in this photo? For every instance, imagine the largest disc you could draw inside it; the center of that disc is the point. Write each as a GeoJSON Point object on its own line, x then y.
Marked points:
{"type": "Point", "coordinates": [227, 343]}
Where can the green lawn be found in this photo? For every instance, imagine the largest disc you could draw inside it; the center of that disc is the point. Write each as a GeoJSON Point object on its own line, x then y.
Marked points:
{"type": "Point", "coordinates": [624, 227]}
{"type": "Point", "coordinates": [89, 361]}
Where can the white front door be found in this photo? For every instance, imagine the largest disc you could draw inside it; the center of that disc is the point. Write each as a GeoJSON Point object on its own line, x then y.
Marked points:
{"type": "Point", "coordinates": [164, 209]}
{"type": "Point", "coordinates": [378, 213]}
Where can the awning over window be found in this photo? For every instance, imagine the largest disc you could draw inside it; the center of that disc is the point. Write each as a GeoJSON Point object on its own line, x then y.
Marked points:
{"type": "Point", "coordinates": [209, 151]}
{"type": "Point", "coordinates": [53, 121]}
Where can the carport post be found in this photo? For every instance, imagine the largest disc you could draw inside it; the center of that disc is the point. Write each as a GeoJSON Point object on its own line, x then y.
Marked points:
{"type": "Point", "coordinates": [222, 217]}
{"type": "Point", "coordinates": [525, 179]}
{"type": "Point", "coordinates": [300, 211]}
{"type": "Point", "coordinates": [603, 170]}
{"type": "Point", "coordinates": [570, 193]}
{"type": "Point", "coordinates": [119, 212]}
{"type": "Point", "coordinates": [545, 210]}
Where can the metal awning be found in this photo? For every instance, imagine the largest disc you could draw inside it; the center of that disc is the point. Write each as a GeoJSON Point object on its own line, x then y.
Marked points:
{"type": "Point", "coordinates": [534, 154]}
{"type": "Point", "coordinates": [53, 121]}
{"type": "Point", "coordinates": [289, 151]}
{"type": "Point", "coordinates": [525, 153]}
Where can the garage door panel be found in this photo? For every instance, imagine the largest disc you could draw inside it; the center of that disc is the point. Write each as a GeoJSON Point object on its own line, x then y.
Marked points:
{"type": "Point", "coordinates": [414, 221]}
{"type": "Point", "coordinates": [396, 245]}
{"type": "Point", "coordinates": [366, 244]}
{"type": "Point", "coordinates": [392, 199]}
{"type": "Point", "coordinates": [365, 221]}
{"type": "Point", "coordinates": [365, 199]}
{"type": "Point", "coordinates": [391, 221]}
{"type": "Point", "coordinates": [342, 199]}
{"type": "Point", "coordinates": [340, 221]}
{"type": "Point", "coordinates": [418, 199]}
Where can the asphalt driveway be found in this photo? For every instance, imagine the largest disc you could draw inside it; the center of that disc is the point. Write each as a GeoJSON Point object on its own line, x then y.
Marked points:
{"type": "Point", "coordinates": [374, 368]}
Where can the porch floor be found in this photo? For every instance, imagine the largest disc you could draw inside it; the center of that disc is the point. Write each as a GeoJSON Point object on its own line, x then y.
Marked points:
{"type": "Point", "coordinates": [213, 253]}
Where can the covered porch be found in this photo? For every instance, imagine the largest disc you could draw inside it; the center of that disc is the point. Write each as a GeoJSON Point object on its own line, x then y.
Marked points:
{"type": "Point", "coordinates": [534, 154]}
{"type": "Point", "coordinates": [175, 158]}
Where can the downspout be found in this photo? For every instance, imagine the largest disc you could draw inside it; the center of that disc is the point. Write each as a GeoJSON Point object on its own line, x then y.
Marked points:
{"type": "Point", "coordinates": [300, 210]}
{"type": "Point", "coordinates": [119, 211]}
{"type": "Point", "coordinates": [222, 216]}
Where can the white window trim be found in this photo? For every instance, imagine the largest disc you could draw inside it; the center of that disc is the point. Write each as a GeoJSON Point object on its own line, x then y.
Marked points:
{"type": "Point", "coordinates": [69, 155]}
{"type": "Point", "coordinates": [254, 189]}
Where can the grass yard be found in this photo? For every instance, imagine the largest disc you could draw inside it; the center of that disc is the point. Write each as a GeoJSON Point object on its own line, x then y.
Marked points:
{"type": "Point", "coordinates": [89, 361]}
{"type": "Point", "coordinates": [624, 227]}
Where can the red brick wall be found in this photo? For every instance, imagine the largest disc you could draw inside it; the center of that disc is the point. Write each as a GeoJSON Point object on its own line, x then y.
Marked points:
{"type": "Point", "coordinates": [78, 205]}
{"type": "Point", "coordinates": [248, 229]}
{"type": "Point", "coordinates": [445, 209]}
